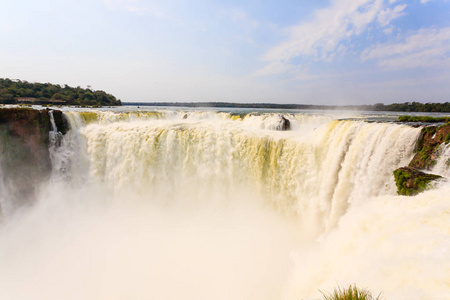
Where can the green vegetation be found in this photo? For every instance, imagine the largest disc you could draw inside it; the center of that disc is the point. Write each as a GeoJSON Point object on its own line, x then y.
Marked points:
{"type": "Point", "coordinates": [413, 107]}
{"type": "Point", "coordinates": [14, 92]}
{"type": "Point", "coordinates": [427, 146]}
{"type": "Point", "coordinates": [411, 181]}
{"type": "Point", "coordinates": [424, 150]}
{"type": "Point", "coordinates": [425, 158]}
{"type": "Point", "coordinates": [423, 119]}
{"type": "Point", "coordinates": [447, 138]}
{"type": "Point", "coordinates": [350, 293]}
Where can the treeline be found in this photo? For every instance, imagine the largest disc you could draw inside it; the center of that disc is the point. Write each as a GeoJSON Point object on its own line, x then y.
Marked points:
{"type": "Point", "coordinates": [403, 107]}
{"type": "Point", "coordinates": [423, 119]}
{"type": "Point", "coordinates": [412, 107]}
{"type": "Point", "coordinates": [12, 90]}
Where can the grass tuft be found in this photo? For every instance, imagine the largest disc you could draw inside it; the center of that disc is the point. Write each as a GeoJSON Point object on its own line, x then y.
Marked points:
{"type": "Point", "coordinates": [350, 293]}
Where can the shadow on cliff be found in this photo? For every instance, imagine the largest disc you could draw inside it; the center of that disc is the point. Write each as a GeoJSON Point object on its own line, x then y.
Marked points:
{"type": "Point", "coordinates": [24, 154]}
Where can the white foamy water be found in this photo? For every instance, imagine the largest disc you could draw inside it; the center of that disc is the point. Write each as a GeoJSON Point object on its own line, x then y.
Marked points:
{"type": "Point", "coordinates": [207, 205]}
{"type": "Point", "coordinates": [442, 166]}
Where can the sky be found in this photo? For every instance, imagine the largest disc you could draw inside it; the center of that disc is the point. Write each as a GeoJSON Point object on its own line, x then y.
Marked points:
{"type": "Point", "coordinates": [253, 51]}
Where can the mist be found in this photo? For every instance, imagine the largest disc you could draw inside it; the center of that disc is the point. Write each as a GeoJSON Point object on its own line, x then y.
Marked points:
{"type": "Point", "coordinates": [79, 244]}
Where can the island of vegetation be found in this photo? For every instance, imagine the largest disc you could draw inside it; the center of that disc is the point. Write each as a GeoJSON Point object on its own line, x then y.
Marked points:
{"type": "Point", "coordinates": [24, 92]}
{"type": "Point", "coordinates": [411, 181]}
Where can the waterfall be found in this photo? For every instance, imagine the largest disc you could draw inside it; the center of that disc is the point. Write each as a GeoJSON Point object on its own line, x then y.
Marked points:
{"type": "Point", "coordinates": [194, 204]}
{"type": "Point", "coordinates": [66, 152]}
{"type": "Point", "coordinates": [315, 172]}
{"type": "Point", "coordinates": [55, 150]}
{"type": "Point", "coordinates": [442, 166]}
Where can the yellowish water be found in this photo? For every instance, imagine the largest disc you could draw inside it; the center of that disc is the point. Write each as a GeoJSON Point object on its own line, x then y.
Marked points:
{"type": "Point", "coordinates": [205, 205]}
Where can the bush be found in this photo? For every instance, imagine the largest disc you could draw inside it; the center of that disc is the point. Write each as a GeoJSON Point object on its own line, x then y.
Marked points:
{"type": "Point", "coordinates": [350, 293]}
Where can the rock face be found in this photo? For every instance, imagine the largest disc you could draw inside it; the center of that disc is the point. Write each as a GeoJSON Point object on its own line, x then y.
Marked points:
{"type": "Point", "coordinates": [279, 123]}
{"type": "Point", "coordinates": [431, 138]}
{"type": "Point", "coordinates": [410, 181]}
{"type": "Point", "coordinates": [24, 155]}
{"type": "Point", "coordinates": [285, 124]}
{"type": "Point", "coordinates": [60, 121]}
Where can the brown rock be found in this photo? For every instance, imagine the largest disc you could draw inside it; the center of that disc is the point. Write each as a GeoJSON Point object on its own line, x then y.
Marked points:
{"type": "Point", "coordinates": [431, 138]}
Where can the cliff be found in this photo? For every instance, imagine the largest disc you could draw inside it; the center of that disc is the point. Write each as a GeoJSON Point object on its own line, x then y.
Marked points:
{"type": "Point", "coordinates": [411, 180]}
{"type": "Point", "coordinates": [24, 155]}
{"type": "Point", "coordinates": [430, 139]}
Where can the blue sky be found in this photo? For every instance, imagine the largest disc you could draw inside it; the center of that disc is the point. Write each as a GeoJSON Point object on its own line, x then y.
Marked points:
{"type": "Point", "coordinates": [321, 52]}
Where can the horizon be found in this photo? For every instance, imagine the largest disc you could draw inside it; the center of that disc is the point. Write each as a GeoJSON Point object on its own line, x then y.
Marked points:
{"type": "Point", "coordinates": [290, 52]}
{"type": "Point", "coordinates": [200, 104]}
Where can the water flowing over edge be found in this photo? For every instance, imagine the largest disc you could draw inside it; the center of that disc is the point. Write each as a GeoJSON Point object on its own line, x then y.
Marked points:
{"type": "Point", "coordinates": [334, 176]}
{"type": "Point", "coordinates": [316, 170]}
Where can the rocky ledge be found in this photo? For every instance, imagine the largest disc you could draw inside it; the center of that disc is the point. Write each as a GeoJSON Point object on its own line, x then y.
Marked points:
{"type": "Point", "coordinates": [411, 180]}
{"type": "Point", "coordinates": [430, 139]}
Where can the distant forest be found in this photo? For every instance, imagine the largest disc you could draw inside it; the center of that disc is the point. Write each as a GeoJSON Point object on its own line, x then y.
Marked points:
{"type": "Point", "coordinates": [18, 91]}
{"type": "Point", "coordinates": [401, 107]}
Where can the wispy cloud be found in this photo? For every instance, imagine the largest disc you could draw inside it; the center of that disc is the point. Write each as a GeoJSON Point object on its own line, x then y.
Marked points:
{"type": "Point", "coordinates": [133, 6]}
{"type": "Point", "coordinates": [326, 35]}
{"type": "Point", "coordinates": [160, 10]}
{"type": "Point", "coordinates": [274, 68]}
{"type": "Point", "coordinates": [386, 16]}
{"type": "Point", "coordinates": [424, 48]}
{"type": "Point", "coordinates": [238, 15]}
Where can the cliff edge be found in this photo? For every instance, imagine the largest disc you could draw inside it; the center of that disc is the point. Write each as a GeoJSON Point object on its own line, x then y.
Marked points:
{"type": "Point", "coordinates": [411, 180]}
{"type": "Point", "coordinates": [24, 153]}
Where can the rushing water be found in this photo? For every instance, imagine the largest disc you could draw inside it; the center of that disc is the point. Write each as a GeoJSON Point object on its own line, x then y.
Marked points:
{"type": "Point", "coordinates": [222, 205]}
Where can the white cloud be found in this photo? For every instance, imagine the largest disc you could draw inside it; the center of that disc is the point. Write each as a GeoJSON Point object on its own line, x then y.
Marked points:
{"type": "Point", "coordinates": [386, 16]}
{"type": "Point", "coordinates": [325, 35]}
{"type": "Point", "coordinates": [424, 1]}
{"type": "Point", "coordinates": [321, 36]}
{"type": "Point", "coordinates": [424, 48]}
{"type": "Point", "coordinates": [389, 30]}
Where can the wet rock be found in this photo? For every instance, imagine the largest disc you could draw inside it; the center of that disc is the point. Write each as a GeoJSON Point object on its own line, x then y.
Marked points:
{"type": "Point", "coordinates": [283, 124]}
{"type": "Point", "coordinates": [426, 151]}
{"type": "Point", "coordinates": [61, 123]}
{"type": "Point", "coordinates": [24, 152]}
{"type": "Point", "coordinates": [411, 181]}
